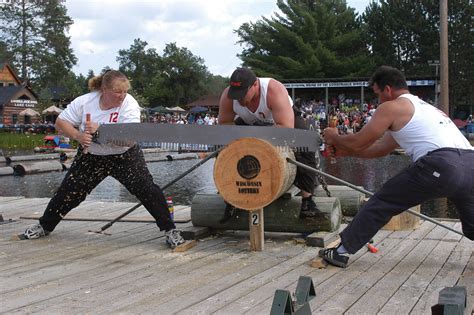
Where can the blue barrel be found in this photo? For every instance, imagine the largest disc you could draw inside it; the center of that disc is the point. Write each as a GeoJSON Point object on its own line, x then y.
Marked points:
{"type": "Point", "coordinates": [470, 128]}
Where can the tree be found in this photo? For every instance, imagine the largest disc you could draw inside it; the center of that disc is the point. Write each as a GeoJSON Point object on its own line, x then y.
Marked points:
{"type": "Point", "coordinates": [34, 31]}
{"type": "Point", "coordinates": [20, 29]}
{"type": "Point", "coordinates": [56, 58]}
{"type": "Point", "coordinates": [310, 39]}
{"type": "Point", "coordinates": [5, 54]}
{"type": "Point", "coordinates": [184, 74]}
{"type": "Point", "coordinates": [405, 34]}
{"type": "Point", "coordinates": [139, 64]}
{"type": "Point", "coordinates": [176, 78]}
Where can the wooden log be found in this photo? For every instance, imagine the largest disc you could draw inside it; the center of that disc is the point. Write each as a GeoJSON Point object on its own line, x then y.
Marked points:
{"type": "Point", "coordinates": [351, 200]}
{"type": "Point", "coordinates": [6, 170]}
{"type": "Point", "coordinates": [404, 221]}
{"type": "Point", "coordinates": [37, 167]}
{"type": "Point", "coordinates": [35, 157]}
{"type": "Point", "coordinates": [250, 173]}
{"type": "Point", "coordinates": [280, 216]}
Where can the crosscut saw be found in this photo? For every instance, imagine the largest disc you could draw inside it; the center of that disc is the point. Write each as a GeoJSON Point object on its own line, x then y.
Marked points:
{"type": "Point", "coordinates": [111, 137]}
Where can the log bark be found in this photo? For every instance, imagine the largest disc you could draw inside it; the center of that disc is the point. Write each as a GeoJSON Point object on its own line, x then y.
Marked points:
{"type": "Point", "coordinates": [282, 215]}
{"type": "Point", "coordinates": [351, 200]}
{"type": "Point", "coordinates": [250, 173]}
{"type": "Point", "coordinates": [6, 170]}
{"type": "Point", "coordinates": [37, 167]}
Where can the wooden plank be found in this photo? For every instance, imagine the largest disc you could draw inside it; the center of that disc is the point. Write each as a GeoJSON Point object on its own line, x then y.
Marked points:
{"type": "Point", "coordinates": [368, 267]}
{"type": "Point", "coordinates": [322, 239]}
{"type": "Point", "coordinates": [195, 232]}
{"type": "Point", "coordinates": [79, 272]}
{"type": "Point", "coordinates": [448, 276]}
{"type": "Point", "coordinates": [184, 247]}
{"type": "Point", "coordinates": [467, 280]}
{"type": "Point", "coordinates": [320, 277]}
{"type": "Point", "coordinates": [115, 269]}
{"type": "Point", "coordinates": [232, 286]}
{"type": "Point", "coordinates": [404, 221]}
{"type": "Point", "coordinates": [71, 245]}
{"type": "Point", "coordinates": [134, 219]}
{"type": "Point", "coordinates": [135, 285]}
{"type": "Point", "coordinates": [371, 294]}
{"type": "Point", "coordinates": [410, 291]}
{"type": "Point", "coordinates": [425, 282]}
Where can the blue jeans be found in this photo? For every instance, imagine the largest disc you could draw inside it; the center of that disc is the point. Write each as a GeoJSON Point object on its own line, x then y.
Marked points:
{"type": "Point", "coordinates": [445, 172]}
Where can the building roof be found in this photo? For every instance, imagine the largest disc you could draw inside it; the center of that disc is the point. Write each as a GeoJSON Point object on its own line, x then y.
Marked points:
{"type": "Point", "coordinates": [205, 101]}
{"type": "Point", "coordinates": [9, 68]}
{"type": "Point", "coordinates": [7, 92]}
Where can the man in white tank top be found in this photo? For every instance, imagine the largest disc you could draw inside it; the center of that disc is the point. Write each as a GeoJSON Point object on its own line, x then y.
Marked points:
{"type": "Point", "coordinates": [265, 102]}
{"type": "Point", "coordinates": [443, 162]}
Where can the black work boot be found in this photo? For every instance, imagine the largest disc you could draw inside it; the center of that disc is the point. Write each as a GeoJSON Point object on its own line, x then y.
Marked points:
{"type": "Point", "coordinates": [310, 210]}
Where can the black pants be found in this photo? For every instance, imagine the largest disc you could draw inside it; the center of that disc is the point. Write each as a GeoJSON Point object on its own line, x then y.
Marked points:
{"type": "Point", "coordinates": [88, 170]}
{"type": "Point", "coordinates": [441, 173]}
{"type": "Point", "coordinates": [304, 180]}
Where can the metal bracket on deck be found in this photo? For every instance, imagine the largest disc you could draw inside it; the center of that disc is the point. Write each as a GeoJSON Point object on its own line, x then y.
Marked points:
{"type": "Point", "coordinates": [2, 221]}
{"type": "Point", "coordinates": [451, 300]}
{"type": "Point", "coordinates": [284, 305]}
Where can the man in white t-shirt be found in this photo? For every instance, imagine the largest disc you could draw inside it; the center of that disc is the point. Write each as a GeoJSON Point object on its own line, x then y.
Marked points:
{"type": "Point", "coordinates": [108, 103]}
{"type": "Point", "coordinates": [443, 162]}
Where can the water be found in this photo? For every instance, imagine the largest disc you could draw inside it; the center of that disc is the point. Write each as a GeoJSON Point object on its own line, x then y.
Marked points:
{"type": "Point", "coordinates": [371, 174]}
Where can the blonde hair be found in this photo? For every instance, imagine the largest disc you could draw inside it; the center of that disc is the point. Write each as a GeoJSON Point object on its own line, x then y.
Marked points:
{"type": "Point", "coordinates": [107, 79]}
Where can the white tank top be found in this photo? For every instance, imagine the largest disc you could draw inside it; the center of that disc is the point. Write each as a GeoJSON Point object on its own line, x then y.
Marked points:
{"type": "Point", "coordinates": [429, 129]}
{"type": "Point", "coordinates": [263, 113]}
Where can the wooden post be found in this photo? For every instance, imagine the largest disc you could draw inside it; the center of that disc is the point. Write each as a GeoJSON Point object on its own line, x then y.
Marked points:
{"type": "Point", "coordinates": [250, 174]}
{"type": "Point", "coordinates": [256, 230]}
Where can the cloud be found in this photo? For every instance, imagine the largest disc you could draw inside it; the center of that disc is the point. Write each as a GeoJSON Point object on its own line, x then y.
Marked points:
{"type": "Point", "coordinates": [205, 27]}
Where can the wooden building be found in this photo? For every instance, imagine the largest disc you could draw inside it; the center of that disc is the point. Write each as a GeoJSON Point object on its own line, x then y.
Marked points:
{"type": "Point", "coordinates": [211, 102]}
{"type": "Point", "coordinates": [18, 102]}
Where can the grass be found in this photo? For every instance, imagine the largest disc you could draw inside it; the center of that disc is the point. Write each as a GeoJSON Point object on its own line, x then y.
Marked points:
{"type": "Point", "coordinates": [13, 141]}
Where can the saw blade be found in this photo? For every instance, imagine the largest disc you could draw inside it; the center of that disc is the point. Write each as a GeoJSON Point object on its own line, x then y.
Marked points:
{"type": "Point", "coordinates": [201, 137]}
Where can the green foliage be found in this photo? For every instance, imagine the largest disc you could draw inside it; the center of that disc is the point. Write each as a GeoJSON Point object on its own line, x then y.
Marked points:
{"type": "Point", "coordinates": [20, 29]}
{"type": "Point", "coordinates": [310, 39]}
{"type": "Point", "coordinates": [405, 34]}
{"type": "Point", "coordinates": [38, 47]}
{"type": "Point", "coordinates": [175, 78]}
{"type": "Point", "coordinates": [56, 57]}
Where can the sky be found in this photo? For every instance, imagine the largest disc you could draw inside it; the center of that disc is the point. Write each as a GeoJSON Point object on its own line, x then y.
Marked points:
{"type": "Point", "coordinates": [204, 27]}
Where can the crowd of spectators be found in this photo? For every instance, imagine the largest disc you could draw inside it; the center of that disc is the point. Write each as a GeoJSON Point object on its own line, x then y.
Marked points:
{"type": "Point", "coordinates": [181, 119]}
{"type": "Point", "coordinates": [45, 127]}
{"type": "Point", "coordinates": [347, 117]}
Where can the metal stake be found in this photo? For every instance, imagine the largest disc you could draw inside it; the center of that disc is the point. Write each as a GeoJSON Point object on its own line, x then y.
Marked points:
{"type": "Point", "coordinates": [207, 158]}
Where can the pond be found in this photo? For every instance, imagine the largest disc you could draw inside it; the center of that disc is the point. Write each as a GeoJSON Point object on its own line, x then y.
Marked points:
{"type": "Point", "coordinates": [371, 174]}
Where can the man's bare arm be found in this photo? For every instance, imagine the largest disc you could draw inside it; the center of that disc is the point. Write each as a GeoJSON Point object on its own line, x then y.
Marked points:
{"type": "Point", "coordinates": [279, 104]}
{"type": "Point", "coordinates": [356, 143]}
{"type": "Point", "coordinates": [226, 112]}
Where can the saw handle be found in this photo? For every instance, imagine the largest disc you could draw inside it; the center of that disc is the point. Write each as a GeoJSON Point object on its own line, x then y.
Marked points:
{"type": "Point", "coordinates": [88, 120]}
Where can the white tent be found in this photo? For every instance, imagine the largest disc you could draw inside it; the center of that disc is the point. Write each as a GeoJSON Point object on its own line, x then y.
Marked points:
{"type": "Point", "coordinates": [52, 110]}
{"type": "Point", "coordinates": [29, 112]}
{"type": "Point", "coordinates": [175, 109]}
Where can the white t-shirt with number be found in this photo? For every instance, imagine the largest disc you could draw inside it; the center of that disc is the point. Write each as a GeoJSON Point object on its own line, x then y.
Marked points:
{"type": "Point", "coordinates": [75, 113]}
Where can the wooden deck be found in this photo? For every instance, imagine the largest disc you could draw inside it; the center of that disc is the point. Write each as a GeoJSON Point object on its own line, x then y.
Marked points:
{"type": "Point", "coordinates": [73, 271]}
